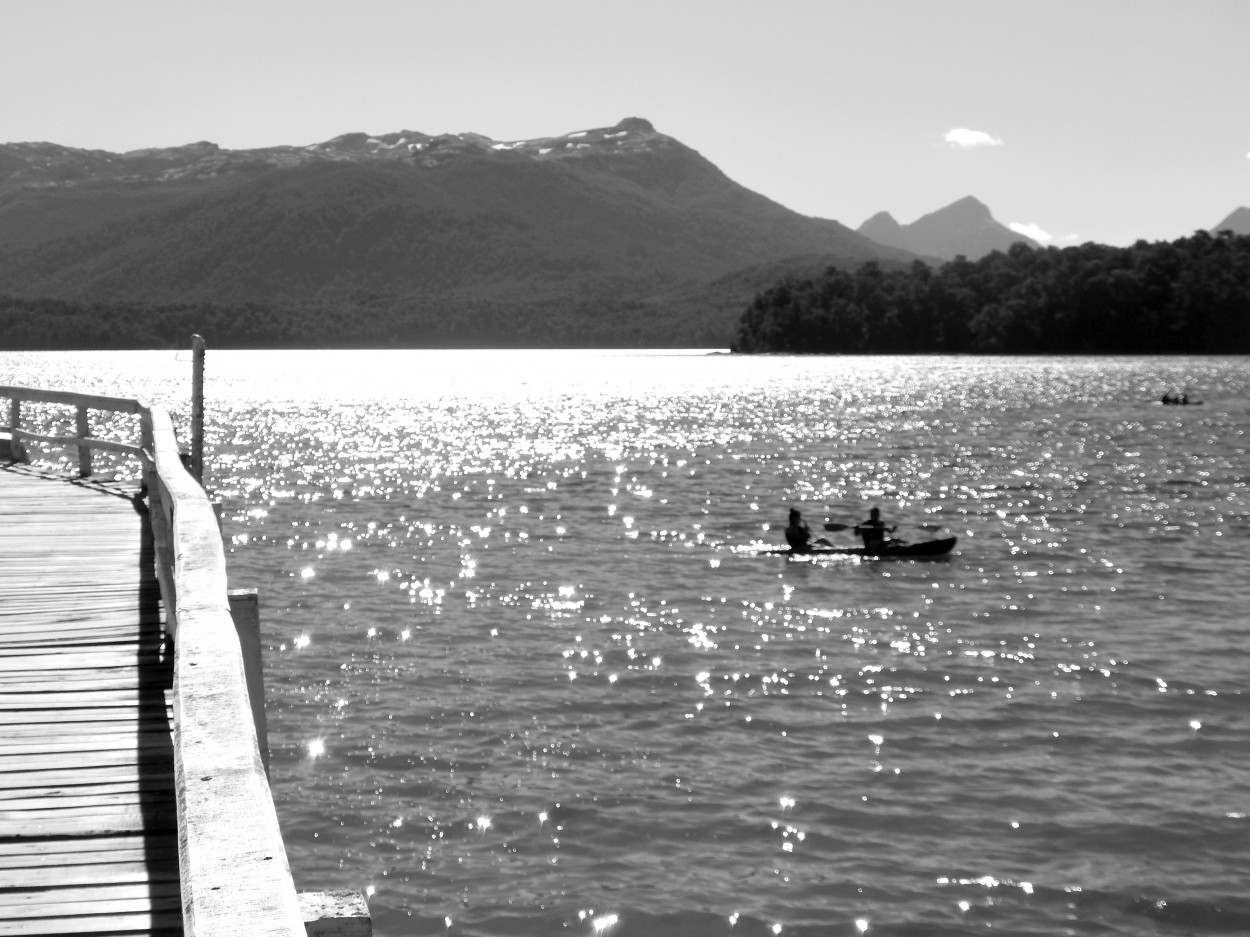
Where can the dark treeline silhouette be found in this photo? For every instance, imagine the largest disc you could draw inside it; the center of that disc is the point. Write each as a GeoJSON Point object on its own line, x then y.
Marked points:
{"type": "Point", "coordinates": [60, 324]}
{"type": "Point", "coordinates": [1188, 296]}
{"type": "Point", "coordinates": [39, 324]}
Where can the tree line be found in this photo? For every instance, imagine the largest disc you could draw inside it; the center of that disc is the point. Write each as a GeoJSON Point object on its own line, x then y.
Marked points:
{"type": "Point", "coordinates": [1190, 296]}
{"type": "Point", "coordinates": [361, 321]}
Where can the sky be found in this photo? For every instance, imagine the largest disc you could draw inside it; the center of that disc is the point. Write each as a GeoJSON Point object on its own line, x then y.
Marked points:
{"type": "Point", "coordinates": [1073, 120]}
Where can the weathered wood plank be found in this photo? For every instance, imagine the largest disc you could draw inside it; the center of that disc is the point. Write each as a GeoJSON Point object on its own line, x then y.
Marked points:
{"type": "Point", "coordinates": [121, 715]}
{"type": "Point", "coordinates": [108, 669]}
{"type": "Point", "coordinates": [112, 900]}
{"type": "Point", "coordinates": [100, 845]}
{"type": "Point", "coordinates": [77, 688]}
{"type": "Point", "coordinates": [66, 792]}
{"type": "Point", "coordinates": [65, 804]}
{"type": "Point", "coordinates": [64, 760]}
{"type": "Point", "coordinates": [130, 898]}
{"type": "Point", "coordinates": [107, 635]}
{"type": "Point", "coordinates": [153, 923]}
{"type": "Point", "coordinates": [117, 865]}
{"type": "Point", "coordinates": [78, 699]}
{"type": "Point", "coordinates": [85, 776]}
{"type": "Point", "coordinates": [70, 659]}
{"type": "Point", "coordinates": [116, 730]}
{"type": "Point", "coordinates": [79, 745]}
{"type": "Point", "coordinates": [88, 822]}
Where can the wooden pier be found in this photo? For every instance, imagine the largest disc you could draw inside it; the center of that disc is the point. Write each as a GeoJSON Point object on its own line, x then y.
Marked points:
{"type": "Point", "coordinates": [134, 796]}
{"type": "Point", "coordinates": [88, 814]}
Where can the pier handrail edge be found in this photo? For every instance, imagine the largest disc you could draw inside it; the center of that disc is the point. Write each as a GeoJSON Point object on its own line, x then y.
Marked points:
{"type": "Point", "coordinates": [233, 863]}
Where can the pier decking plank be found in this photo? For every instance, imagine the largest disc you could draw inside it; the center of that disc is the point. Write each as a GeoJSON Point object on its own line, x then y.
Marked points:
{"type": "Point", "coordinates": [88, 819]}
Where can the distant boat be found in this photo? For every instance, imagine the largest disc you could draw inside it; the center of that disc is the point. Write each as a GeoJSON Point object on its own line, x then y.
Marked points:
{"type": "Point", "coordinates": [887, 551]}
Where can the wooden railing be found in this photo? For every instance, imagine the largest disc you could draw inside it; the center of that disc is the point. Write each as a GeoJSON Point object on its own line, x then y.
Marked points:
{"type": "Point", "coordinates": [235, 876]}
{"type": "Point", "coordinates": [82, 404]}
{"type": "Point", "coordinates": [233, 865]}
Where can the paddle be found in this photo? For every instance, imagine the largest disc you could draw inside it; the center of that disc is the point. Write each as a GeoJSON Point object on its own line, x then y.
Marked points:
{"type": "Point", "coordinates": [854, 527]}
{"type": "Point", "coordinates": [832, 526]}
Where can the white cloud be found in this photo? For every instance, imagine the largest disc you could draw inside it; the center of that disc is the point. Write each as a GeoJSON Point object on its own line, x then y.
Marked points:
{"type": "Point", "coordinates": [963, 137]}
{"type": "Point", "coordinates": [1030, 231]}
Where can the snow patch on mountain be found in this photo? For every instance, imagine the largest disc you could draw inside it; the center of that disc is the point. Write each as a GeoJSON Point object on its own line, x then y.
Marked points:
{"type": "Point", "coordinates": [47, 164]}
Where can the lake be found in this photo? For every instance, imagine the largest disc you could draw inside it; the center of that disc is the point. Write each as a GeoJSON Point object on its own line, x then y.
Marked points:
{"type": "Point", "coordinates": [529, 672]}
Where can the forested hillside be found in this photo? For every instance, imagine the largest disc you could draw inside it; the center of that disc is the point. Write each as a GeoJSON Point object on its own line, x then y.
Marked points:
{"type": "Point", "coordinates": [1187, 296]}
{"type": "Point", "coordinates": [614, 236]}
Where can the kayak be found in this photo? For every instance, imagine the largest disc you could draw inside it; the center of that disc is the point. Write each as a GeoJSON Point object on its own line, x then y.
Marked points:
{"type": "Point", "coordinates": [888, 551]}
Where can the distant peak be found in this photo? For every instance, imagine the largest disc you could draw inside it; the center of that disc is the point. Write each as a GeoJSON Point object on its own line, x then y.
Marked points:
{"type": "Point", "coordinates": [1238, 222]}
{"type": "Point", "coordinates": [968, 205]}
{"type": "Point", "coordinates": [881, 217]}
{"type": "Point", "coordinates": [884, 229]}
{"type": "Point", "coordinates": [635, 123]}
{"type": "Point", "coordinates": [965, 226]}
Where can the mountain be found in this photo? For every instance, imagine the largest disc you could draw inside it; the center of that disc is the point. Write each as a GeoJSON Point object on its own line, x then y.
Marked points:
{"type": "Point", "coordinates": [616, 235]}
{"type": "Point", "coordinates": [1238, 222]}
{"type": "Point", "coordinates": [965, 227]}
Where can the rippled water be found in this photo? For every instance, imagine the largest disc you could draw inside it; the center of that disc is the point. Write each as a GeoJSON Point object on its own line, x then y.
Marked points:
{"type": "Point", "coordinates": [528, 674]}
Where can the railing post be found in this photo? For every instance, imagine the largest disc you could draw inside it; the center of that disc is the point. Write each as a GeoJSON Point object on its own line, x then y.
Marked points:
{"type": "Point", "coordinates": [197, 409]}
{"type": "Point", "coordinates": [15, 419]}
{"type": "Point", "coordinates": [245, 611]}
{"type": "Point", "coordinates": [335, 914]}
{"type": "Point", "coordinates": [148, 459]}
{"type": "Point", "coordinates": [83, 432]}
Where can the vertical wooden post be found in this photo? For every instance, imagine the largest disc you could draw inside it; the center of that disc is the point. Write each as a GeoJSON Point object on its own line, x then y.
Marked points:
{"type": "Point", "coordinates": [83, 431]}
{"type": "Point", "coordinates": [148, 459]}
{"type": "Point", "coordinates": [162, 546]}
{"type": "Point", "coordinates": [197, 408]}
{"type": "Point", "coordinates": [335, 914]}
{"type": "Point", "coordinates": [15, 419]}
{"type": "Point", "coordinates": [245, 610]}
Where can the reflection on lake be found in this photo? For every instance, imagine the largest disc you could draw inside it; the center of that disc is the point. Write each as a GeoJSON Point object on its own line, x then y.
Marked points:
{"type": "Point", "coordinates": [527, 675]}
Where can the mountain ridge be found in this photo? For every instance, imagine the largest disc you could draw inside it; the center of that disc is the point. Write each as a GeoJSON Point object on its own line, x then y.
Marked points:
{"type": "Point", "coordinates": [965, 227]}
{"type": "Point", "coordinates": [596, 232]}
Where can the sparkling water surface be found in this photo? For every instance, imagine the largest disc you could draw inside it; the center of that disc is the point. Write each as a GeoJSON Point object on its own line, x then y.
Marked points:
{"type": "Point", "coordinates": [529, 673]}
